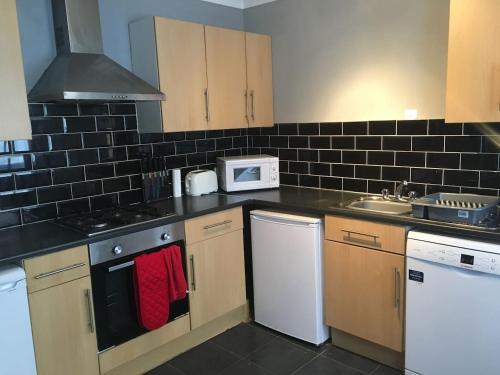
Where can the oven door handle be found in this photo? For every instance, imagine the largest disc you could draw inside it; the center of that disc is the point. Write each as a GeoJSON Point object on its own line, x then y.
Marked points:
{"type": "Point", "coordinates": [121, 266]}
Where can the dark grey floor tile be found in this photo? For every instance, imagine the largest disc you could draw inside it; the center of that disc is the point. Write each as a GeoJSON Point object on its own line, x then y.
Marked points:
{"type": "Point", "coordinates": [350, 359]}
{"type": "Point", "coordinates": [281, 356]}
{"type": "Point", "coordinates": [324, 366]}
{"type": "Point", "coordinates": [243, 339]}
{"type": "Point", "coordinates": [165, 369]}
{"type": "Point", "coordinates": [245, 367]}
{"type": "Point", "coordinates": [206, 359]}
{"type": "Point", "coordinates": [384, 370]}
{"type": "Point", "coordinates": [303, 344]}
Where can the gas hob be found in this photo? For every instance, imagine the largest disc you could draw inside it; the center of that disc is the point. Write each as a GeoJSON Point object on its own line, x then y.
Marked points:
{"type": "Point", "coordinates": [110, 219]}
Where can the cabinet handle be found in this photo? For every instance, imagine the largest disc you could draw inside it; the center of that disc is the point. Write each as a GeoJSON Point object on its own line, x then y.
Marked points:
{"type": "Point", "coordinates": [397, 291]}
{"type": "Point", "coordinates": [217, 224]}
{"type": "Point", "coordinates": [51, 273]}
{"type": "Point", "coordinates": [90, 310]}
{"type": "Point", "coordinates": [246, 105]}
{"type": "Point", "coordinates": [252, 102]}
{"type": "Point", "coordinates": [193, 276]}
{"type": "Point", "coordinates": [207, 108]}
{"type": "Point", "coordinates": [348, 237]}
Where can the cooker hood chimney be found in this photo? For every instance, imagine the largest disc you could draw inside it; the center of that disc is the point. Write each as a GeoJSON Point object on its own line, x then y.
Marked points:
{"type": "Point", "coordinates": [80, 70]}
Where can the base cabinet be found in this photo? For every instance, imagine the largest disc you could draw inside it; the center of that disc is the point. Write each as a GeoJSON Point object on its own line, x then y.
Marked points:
{"type": "Point", "coordinates": [364, 293]}
{"type": "Point", "coordinates": [216, 276]}
{"type": "Point", "coordinates": [63, 329]}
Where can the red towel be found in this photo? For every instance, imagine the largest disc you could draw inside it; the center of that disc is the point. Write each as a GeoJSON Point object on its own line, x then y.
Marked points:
{"type": "Point", "coordinates": [176, 284]}
{"type": "Point", "coordinates": [150, 282]}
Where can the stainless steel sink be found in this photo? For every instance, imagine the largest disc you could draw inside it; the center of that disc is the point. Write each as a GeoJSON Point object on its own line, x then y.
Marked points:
{"type": "Point", "coordinates": [379, 205]}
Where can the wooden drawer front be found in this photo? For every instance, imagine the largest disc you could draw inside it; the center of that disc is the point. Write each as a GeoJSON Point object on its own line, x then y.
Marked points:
{"type": "Point", "coordinates": [366, 233]}
{"type": "Point", "coordinates": [57, 268]}
{"type": "Point", "coordinates": [213, 225]}
{"type": "Point", "coordinates": [364, 293]}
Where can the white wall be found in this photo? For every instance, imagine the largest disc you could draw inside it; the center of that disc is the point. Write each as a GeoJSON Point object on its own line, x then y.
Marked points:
{"type": "Point", "coordinates": [346, 60]}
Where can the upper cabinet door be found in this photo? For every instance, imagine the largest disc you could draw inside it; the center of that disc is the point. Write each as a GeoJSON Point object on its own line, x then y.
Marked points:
{"type": "Point", "coordinates": [226, 72]}
{"type": "Point", "coordinates": [473, 84]}
{"type": "Point", "coordinates": [182, 74]}
{"type": "Point", "coordinates": [259, 80]}
{"type": "Point", "coordinates": [15, 121]}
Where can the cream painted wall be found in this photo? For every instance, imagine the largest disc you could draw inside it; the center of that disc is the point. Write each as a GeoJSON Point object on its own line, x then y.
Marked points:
{"type": "Point", "coordinates": [349, 60]}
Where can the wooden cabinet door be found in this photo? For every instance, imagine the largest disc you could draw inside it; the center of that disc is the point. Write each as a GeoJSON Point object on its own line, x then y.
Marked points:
{"type": "Point", "coordinates": [259, 80]}
{"type": "Point", "coordinates": [15, 122]}
{"type": "Point", "coordinates": [182, 74]}
{"type": "Point", "coordinates": [364, 293]}
{"type": "Point", "coordinates": [63, 329]}
{"type": "Point", "coordinates": [216, 276]}
{"type": "Point", "coordinates": [226, 72]}
{"type": "Point", "coordinates": [473, 83]}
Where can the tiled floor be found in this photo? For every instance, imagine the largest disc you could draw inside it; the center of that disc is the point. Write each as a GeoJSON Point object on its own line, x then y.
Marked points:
{"type": "Point", "coordinates": [249, 349]}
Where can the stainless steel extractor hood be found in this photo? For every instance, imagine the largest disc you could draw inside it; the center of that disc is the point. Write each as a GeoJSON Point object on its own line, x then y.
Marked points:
{"type": "Point", "coordinates": [80, 70]}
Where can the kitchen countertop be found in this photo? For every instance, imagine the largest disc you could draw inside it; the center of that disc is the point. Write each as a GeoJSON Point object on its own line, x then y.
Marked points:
{"type": "Point", "coordinates": [42, 238]}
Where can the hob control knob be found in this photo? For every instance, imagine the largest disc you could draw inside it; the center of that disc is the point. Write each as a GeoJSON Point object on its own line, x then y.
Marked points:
{"type": "Point", "coordinates": [117, 250]}
{"type": "Point", "coordinates": [165, 236]}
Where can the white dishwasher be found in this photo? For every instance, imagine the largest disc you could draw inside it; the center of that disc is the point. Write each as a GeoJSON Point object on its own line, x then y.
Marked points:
{"type": "Point", "coordinates": [17, 356]}
{"type": "Point", "coordinates": [287, 261]}
{"type": "Point", "coordinates": [452, 305]}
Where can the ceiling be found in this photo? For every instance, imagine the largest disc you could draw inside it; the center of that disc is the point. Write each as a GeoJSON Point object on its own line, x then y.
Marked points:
{"type": "Point", "coordinates": [241, 4]}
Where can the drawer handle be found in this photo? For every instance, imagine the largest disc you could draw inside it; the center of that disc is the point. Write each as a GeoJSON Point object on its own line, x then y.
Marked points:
{"type": "Point", "coordinates": [51, 273]}
{"type": "Point", "coordinates": [397, 291]}
{"type": "Point", "coordinates": [90, 310]}
{"type": "Point", "coordinates": [372, 242]}
{"type": "Point", "coordinates": [193, 277]}
{"type": "Point", "coordinates": [225, 222]}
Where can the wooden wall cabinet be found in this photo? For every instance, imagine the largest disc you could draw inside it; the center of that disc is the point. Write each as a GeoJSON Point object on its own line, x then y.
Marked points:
{"type": "Point", "coordinates": [15, 122]}
{"type": "Point", "coordinates": [61, 310]}
{"type": "Point", "coordinates": [259, 80]}
{"type": "Point", "coordinates": [203, 72]}
{"type": "Point", "coordinates": [216, 265]}
{"type": "Point", "coordinates": [364, 283]}
{"type": "Point", "coordinates": [473, 82]}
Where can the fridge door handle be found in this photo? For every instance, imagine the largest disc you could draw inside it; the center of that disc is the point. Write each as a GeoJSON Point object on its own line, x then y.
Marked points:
{"type": "Point", "coordinates": [283, 222]}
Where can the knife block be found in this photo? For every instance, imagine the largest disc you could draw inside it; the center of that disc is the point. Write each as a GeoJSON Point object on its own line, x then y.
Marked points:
{"type": "Point", "coordinates": [156, 183]}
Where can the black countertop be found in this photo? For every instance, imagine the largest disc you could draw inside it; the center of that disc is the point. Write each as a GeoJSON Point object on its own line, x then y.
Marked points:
{"type": "Point", "coordinates": [37, 239]}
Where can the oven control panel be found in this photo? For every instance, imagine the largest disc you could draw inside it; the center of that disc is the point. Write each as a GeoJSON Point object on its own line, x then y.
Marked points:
{"type": "Point", "coordinates": [129, 244]}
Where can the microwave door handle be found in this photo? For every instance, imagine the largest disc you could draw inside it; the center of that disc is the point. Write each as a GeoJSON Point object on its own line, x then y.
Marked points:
{"type": "Point", "coordinates": [121, 266]}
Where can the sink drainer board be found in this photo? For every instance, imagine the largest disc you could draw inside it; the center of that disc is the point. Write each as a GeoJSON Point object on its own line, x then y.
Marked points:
{"type": "Point", "coordinates": [461, 208]}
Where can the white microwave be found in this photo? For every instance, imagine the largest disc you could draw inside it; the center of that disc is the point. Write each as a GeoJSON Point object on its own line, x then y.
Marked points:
{"type": "Point", "coordinates": [237, 173]}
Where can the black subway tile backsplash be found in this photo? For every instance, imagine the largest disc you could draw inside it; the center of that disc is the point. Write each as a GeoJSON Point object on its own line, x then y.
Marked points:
{"type": "Point", "coordinates": [80, 124]}
{"type": "Point", "coordinates": [102, 139]}
{"type": "Point", "coordinates": [382, 127]}
{"type": "Point", "coordinates": [65, 175]}
{"type": "Point", "coordinates": [355, 128]}
{"type": "Point", "coordinates": [330, 128]}
{"type": "Point", "coordinates": [110, 123]}
{"type": "Point", "coordinates": [82, 157]}
{"type": "Point", "coordinates": [412, 127]}
{"type": "Point", "coordinates": [309, 129]}
{"type": "Point", "coordinates": [86, 156]}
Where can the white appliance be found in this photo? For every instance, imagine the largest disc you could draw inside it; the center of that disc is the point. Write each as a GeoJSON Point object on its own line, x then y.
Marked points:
{"type": "Point", "coordinates": [201, 182]}
{"type": "Point", "coordinates": [16, 343]}
{"type": "Point", "coordinates": [287, 257]}
{"type": "Point", "coordinates": [452, 306]}
{"type": "Point", "coordinates": [237, 173]}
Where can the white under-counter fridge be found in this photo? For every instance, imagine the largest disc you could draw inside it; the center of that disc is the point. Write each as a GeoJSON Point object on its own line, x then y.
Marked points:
{"type": "Point", "coordinates": [287, 261]}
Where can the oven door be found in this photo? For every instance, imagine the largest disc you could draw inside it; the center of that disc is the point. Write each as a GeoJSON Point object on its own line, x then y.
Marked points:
{"type": "Point", "coordinates": [114, 300]}
{"type": "Point", "coordinates": [247, 177]}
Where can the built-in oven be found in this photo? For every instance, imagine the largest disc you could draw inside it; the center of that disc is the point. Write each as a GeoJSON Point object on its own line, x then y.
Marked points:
{"type": "Point", "coordinates": [112, 264]}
